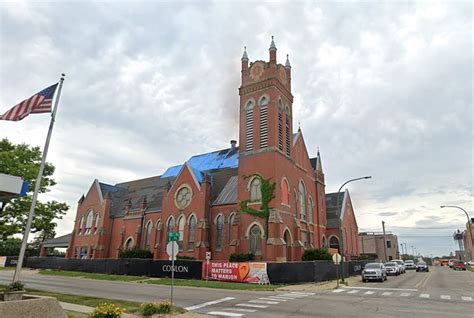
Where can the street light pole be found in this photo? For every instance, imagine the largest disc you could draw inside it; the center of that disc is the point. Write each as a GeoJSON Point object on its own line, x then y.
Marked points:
{"type": "Point", "coordinates": [341, 239]}
{"type": "Point", "coordinates": [468, 221]}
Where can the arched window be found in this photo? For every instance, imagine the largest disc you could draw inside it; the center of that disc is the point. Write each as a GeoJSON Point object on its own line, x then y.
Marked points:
{"type": "Point", "coordinates": [287, 239]}
{"type": "Point", "coordinates": [169, 226]}
{"type": "Point", "coordinates": [158, 233]}
{"type": "Point", "coordinates": [192, 230]}
{"type": "Point", "coordinates": [231, 221]}
{"type": "Point", "coordinates": [96, 226]}
{"type": "Point", "coordinates": [334, 243]}
{"type": "Point", "coordinates": [285, 193]}
{"type": "Point", "coordinates": [90, 217]}
{"type": "Point", "coordinates": [148, 229]}
{"type": "Point", "coordinates": [287, 133]}
{"type": "Point", "coordinates": [249, 127]}
{"type": "Point", "coordinates": [181, 225]}
{"type": "Point", "coordinates": [255, 240]}
{"type": "Point", "coordinates": [255, 189]}
{"type": "Point", "coordinates": [302, 199]}
{"type": "Point", "coordinates": [310, 209]}
{"type": "Point", "coordinates": [128, 244]}
{"type": "Point", "coordinates": [263, 123]}
{"type": "Point", "coordinates": [81, 224]}
{"type": "Point", "coordinates": [219, 232]}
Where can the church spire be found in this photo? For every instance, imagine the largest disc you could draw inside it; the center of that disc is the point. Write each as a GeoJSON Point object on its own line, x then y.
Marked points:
{"type": "Point", "coordinates": [319, 165]}
{"type": "Point", "coordinates": [273, 52]}
{"type": "Point", "coordinates": [287, 64]}
{"type": "Point", "coordinates": [245, 57]}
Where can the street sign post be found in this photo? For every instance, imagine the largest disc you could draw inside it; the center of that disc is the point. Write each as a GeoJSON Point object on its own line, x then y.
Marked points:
{"type": "Point", "coordinates": [208, 258]}
{"type": "Point", "coordinates": [336, 258]}
{"type": "Point", "coordinates": [172, 249]}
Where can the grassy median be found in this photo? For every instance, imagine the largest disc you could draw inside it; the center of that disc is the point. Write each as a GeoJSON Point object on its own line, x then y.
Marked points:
{"type": "Point", "coordinates": [123, 278]}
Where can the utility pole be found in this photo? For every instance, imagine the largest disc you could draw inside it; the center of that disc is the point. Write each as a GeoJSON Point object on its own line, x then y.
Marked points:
{"type": "Point", "coordinates": [413, 250]}
{"type": "Point", "coordinates": [402, 250]}
{"type": "Point", "coordinates": [384, 241]}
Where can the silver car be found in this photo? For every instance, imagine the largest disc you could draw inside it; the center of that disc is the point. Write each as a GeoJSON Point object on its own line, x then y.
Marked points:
{"type": "Point", "coordinates": [374, 271]}
{"type": "Point", "coordinates": [409, 264]}
{"type": "Point", "coordinates": [392, 268]}
{"type": "Point", "coordinates": [401, 265]}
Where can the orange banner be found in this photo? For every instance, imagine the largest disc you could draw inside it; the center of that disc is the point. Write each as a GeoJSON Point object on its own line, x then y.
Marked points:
{"type": "Point", "coordinates": [255, 273]}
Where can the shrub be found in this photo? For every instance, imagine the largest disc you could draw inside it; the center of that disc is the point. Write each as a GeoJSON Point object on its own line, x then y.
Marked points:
{"type": "Point", "coordinates": [149, 309]}
{"type": "Point", "coordinates": [185, 257]}
{"type": "Point", "coordinates": [241, 257]}
{"type": "Point", "coordinates": [316, 254]}
{"type": "Point", "coordinates": [107, 311]}
{"type": "Point", "coordinates": [15, 286]}
{"type": "Point", "coordinates": [136, 252]}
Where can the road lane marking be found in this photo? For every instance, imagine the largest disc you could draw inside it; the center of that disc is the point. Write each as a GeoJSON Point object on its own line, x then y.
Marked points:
{"type": "Point", "coordinates": [338, 290]}
{"type": "Point", "coordinates": [466, 298]}
{"type": "Point", "coordinates": [369, 292]}
{"type": "Point", "coordinates": [224, 313]}
{"type": "Point", "coordinates": [263, 302]}
{"type": "Point", "coordinates": [387, 293]}
{"type": "Point", "coordinates": [355, 291]}
{"type": "Point", "coordinates": [301, 293]}
{"type": "Point", "coordinates": [240, 309]}
{"type": "Point", "coordinates": [424, 295]}
{"type": "Point", "coordinates": [294, 295]}
{"type": "Point", "coordinates": [422, 283]}
{"type": "Point", "coordinates": [445, 297]}
{"type": "Point", "coordinates": [252, 305]}
{"type": "Point", "coordinates": [209, 303]}
{"type": "Point", "coordinates": [381, 288]}
{"type": "Point", "coordinates": [273, 299]}
{"type": "Point", "coordinates": [405, 294]}
{"type": "Point", "coordinates": [284, 297]}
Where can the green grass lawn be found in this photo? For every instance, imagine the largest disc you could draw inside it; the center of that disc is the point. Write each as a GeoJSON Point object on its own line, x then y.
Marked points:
{"type": "Point", "coordinates": [211, 284]}
{"type": "Point", "coordinates": [73, 314]}
{"type": "Point", "coordinates": [92, 275]}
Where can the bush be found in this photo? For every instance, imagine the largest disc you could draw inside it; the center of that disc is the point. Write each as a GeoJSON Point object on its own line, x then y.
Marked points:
{"type": "Point", "coordinates": [316, 254]}
{"type": "Point", "coordinates": [107, 311]}
{"type": "Point", "coordinates": [136, 252]}
{"type": "Point", "coordinates": [15, 286]}
{"type": "Point", "coordinates": [185, 257]}
{"type": "Point", "coordinates": [241, 257]}
{"type": "Point", "coordinates": [10, 247]}
{"type": "Point", "coordinates": [149, 309]}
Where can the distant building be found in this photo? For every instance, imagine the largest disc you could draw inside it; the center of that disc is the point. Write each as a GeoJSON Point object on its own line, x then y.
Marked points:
{"type": "Point", "coordinates": [469, 239]}
{"type": "Point", "coordinates": [371, 244]}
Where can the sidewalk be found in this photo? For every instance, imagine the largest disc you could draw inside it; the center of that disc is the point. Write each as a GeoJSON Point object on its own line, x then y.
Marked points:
{"type": "Point", "coordinates": [327, 285]}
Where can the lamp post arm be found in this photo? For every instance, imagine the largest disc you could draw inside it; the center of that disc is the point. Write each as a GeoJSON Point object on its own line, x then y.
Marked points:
{"type": "Point", "coordinates": [368, 177]}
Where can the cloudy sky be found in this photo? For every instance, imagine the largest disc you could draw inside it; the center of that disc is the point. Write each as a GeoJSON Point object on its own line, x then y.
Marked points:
{"type": "Point", "coordinates": [382, 88]}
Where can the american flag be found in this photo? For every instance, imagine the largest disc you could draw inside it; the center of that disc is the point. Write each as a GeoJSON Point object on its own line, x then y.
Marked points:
{"type": "Point", "coordinates": [38, 103]}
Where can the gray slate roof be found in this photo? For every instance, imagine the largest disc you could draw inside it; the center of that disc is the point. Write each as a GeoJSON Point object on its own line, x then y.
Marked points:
{"type": "Point", "coordinates": [332, 210]}
{"type": "Point", "coordinates": [61, 241]}
{"type": "Point", "coordinates": [228, 194]}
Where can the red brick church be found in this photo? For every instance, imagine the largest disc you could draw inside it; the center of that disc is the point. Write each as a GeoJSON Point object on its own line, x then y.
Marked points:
{"type": "Point", "coordinates": [201, 198]}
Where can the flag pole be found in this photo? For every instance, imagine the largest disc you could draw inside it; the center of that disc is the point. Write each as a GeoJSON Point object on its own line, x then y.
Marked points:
{"type": "Point", "coordinates": [19, 264]}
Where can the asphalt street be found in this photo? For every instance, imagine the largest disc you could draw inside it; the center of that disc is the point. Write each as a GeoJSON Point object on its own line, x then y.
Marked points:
{"type": "Point", "coordinates": [441, 292]}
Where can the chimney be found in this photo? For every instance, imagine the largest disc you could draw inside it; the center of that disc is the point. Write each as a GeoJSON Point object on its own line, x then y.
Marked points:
{"type": "Point", "coordinates": [233, 144]}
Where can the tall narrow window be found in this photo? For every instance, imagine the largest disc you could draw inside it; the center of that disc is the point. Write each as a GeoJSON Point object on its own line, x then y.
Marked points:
{"type": "Point", "coordinates": [255, 190]}
{"type": "Point", "coordinates": [81, 224]}
{"type": "Point", "coordinates": [310, 210]}
{"type": "Point", "coordinates": [169, 226]}
{"type": "Point", "coordinates": [148, 229]}
{"type": "Point", "coordinates": [181, 225]}
{"type": "Point", "coordinates": [280, 131]}
{"type": "Point", "coordinates": [219, 232]}
{"type": "Point", "coordinates": [285, 193]}
{"type": "Point", "coordinates": [302, 199]}
{"type": "Point", "coordinates": [287, 130]}
{"type": "Point", "coordinates": [231, 222]}
{"type": "Point", "coordinates": [158, 233]}
{"type": "Point", "coordinates": [192, 230]}
{"type": "Point", "coordinates": [96, 226]}
{"type": "Point", "coordinates": [255, 240]}
{"type": "Point", "coordinates": [128, 244]}
{"type": "Point", "coordinates": [264, 123]}
{"type": "Point", "coordinates": [90, 217]}
{"type": "Point", "coordinates": [249, 127]}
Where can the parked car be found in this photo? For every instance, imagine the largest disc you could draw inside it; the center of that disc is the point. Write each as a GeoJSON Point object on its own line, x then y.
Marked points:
{"type": "Point", "coordinates": [374, 271]}
{"type": "Point", "coordinates": [409, 264]}
{"type": "Point", "coordinates": [401, 265]}
{"type": "Point", "coordinates": [422, 267]}
{"type": "Point", "coordinates": [450, 262]}
{"type": "Point", "coordinates": [459, 265]}
{"type": "Point", "coordinates": [470, 263]}
{"type": "Point", "coordinates": [392, 268]}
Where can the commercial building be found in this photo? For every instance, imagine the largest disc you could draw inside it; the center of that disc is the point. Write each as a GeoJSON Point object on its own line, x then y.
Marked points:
{"type": "Point", "coordinates": [371, 244]}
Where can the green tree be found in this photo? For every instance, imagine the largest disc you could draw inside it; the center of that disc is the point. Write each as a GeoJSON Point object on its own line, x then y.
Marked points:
{"type": "Point", "coordinates": [23, 160]}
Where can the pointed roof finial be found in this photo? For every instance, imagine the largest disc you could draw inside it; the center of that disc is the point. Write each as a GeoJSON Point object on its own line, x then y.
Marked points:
{"type": "Point", "coordinates": [287, 64]}
{"type": "Point", "coordinates": [245, 56]}
{"type": "Point", "coordinates": [272, 45]}
{"type": "Point", "coordinates": [299, 126]}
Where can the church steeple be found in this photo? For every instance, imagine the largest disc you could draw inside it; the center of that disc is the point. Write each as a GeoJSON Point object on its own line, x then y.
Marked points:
{"type": "Point", "coordinates": [273, 52]}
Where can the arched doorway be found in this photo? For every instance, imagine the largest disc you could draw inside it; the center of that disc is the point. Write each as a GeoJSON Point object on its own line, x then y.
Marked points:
{"type": "Point", "coordinates": [334, 243]}
{"type": "Point", "coordinates": [286, 250]}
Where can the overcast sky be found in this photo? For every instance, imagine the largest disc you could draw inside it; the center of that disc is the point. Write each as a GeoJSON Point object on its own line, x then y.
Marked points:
{"type": "Point", "coordinates": [382, 88]}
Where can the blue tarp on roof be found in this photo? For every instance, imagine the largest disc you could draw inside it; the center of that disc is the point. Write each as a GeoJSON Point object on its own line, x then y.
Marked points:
{"type": "Point", "coordinates": [222, 159]}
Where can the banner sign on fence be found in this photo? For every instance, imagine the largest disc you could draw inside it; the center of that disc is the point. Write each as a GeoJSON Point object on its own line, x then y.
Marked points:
{"type": "Point", "coordinates": [255, 273]}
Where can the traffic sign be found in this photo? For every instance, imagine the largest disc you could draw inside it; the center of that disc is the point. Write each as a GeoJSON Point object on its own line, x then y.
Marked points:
{"type": "Point", "coordinates": [173, 236]}
{"type": "Point", "coordinates": [336, 258]}
{"type": "Point", "coordinates": [172, 249]}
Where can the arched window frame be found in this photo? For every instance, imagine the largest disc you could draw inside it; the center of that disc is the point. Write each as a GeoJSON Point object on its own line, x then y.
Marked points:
{"type": "Point", "coordinates": [159, 227]}
{"type": "Point", "coordinates": [181, 227]}
{"type": "Point", "coordinates": [170, 224]}
{"type": "Point", "coordinates": [249, 125]}
{"type": "Point", "coordinates": [219, 231]}
{"type": "Point", "coordinates": [147, 232]}
{"type": "Point", "coordinates": [263, 105]}
{"type": "Point", "coordinates": [338, 242]}
{"type": "Point", "coordinates": [126, 245]}
{"type": "Point", "coordinates": [302, 200]}
{"type": "Point", "coordinates": [96, 225]}
{"type": "Point", "coordinates": [231, 222]}
{"type": "Point", "coordinates": [89, 219]}
{"type": "Point", "coordinates": [255, 239]}
{"type": "Point", "coordinates": [255, 189]}
{"type": "Point", "coordinates": [81, 224]}
{"type": "Point", "coordinates": [192, 222]}
{"type": "Point", "coordinates": [310, 210]}
{"type": "Point", "coordinates": [285, 192]}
